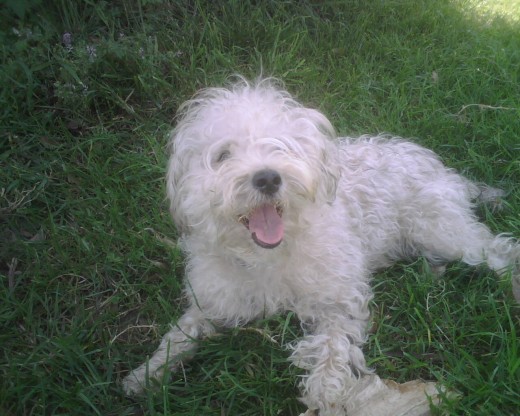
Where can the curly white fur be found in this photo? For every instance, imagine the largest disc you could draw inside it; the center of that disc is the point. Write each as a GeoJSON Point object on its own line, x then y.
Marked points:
{"type": "Point", "coordinates": [337, 210]}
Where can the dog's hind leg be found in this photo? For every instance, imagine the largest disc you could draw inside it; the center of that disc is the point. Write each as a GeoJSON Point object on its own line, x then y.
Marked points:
{"type": "Point", "coordinates": [455, 234]}
{"type": "Point", "coordinates": [501, 254]}
{"type": "Point", "coordinates": [178, 344]}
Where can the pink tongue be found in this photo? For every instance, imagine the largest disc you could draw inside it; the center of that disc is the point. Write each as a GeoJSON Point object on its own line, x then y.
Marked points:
{"type": "Point", "coordinates": [266, 226]}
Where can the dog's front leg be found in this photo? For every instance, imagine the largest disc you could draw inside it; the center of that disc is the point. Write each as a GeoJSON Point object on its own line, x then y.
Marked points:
{"type": "Point", "coordinates": [334, 361]}
{"type": "Point", "coordinates": [178, 344]}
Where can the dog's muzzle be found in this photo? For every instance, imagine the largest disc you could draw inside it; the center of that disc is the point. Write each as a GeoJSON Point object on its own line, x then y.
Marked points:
{"type": "Point", "coordinates": [265, 221]}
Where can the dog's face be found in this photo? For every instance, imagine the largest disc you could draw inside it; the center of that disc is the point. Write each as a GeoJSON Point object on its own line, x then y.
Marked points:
{"type": "Point", "coordinates": [245, 163]}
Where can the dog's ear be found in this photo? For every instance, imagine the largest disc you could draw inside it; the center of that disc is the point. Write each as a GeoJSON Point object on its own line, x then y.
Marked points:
{"type": "Point", "coordinates": [175, 180]}
{"type": "Point", "coordinates": [331, 170]}
{"type": "Point", "coordinates": [320, 139]}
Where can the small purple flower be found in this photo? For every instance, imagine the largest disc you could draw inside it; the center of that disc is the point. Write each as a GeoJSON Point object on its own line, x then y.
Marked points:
{"type": "Point", "coordinates": [91, 51]}
{"type": "Point", "coordinates": [66, 39]}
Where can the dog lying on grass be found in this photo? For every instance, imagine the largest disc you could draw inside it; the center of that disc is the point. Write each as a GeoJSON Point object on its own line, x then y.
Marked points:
{"type": "Point", "coordinates": [277, 214]}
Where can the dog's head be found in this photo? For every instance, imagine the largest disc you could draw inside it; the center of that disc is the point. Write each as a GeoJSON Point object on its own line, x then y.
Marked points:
{"type": "Point", "coordinates": [245, 161]}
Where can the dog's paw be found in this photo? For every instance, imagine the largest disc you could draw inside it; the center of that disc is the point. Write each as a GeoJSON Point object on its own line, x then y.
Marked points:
{"type": "Point", "coordinates": [133, 383]}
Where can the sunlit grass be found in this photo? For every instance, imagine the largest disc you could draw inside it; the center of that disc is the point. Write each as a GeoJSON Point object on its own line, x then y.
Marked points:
{"type": "Point", "coordinates": [508, 11]}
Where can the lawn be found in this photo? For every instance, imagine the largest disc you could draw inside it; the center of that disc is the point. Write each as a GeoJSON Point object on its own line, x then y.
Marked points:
{"type": "Point", "coordinates": [90, 273]}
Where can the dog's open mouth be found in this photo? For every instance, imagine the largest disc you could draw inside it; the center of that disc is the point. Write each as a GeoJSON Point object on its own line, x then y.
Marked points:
{"type": "Point", "coordinates": [266, 225]}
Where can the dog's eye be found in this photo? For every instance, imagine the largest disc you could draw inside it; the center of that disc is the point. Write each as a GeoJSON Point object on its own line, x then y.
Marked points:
{"type": "Point", "coordinates": [223, 155]}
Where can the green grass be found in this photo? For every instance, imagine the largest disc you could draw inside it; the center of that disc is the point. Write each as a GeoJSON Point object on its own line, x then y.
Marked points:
{"type": "Point", "coordinates": [90, 276]}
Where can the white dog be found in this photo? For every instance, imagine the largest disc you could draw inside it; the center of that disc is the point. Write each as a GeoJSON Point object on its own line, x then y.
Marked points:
{"type": "Point", "coordinates": [277, 214]}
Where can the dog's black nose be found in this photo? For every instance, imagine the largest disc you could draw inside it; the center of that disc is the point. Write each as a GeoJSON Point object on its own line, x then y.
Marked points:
{"type": "Point", "coordinates": [267, 181]}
